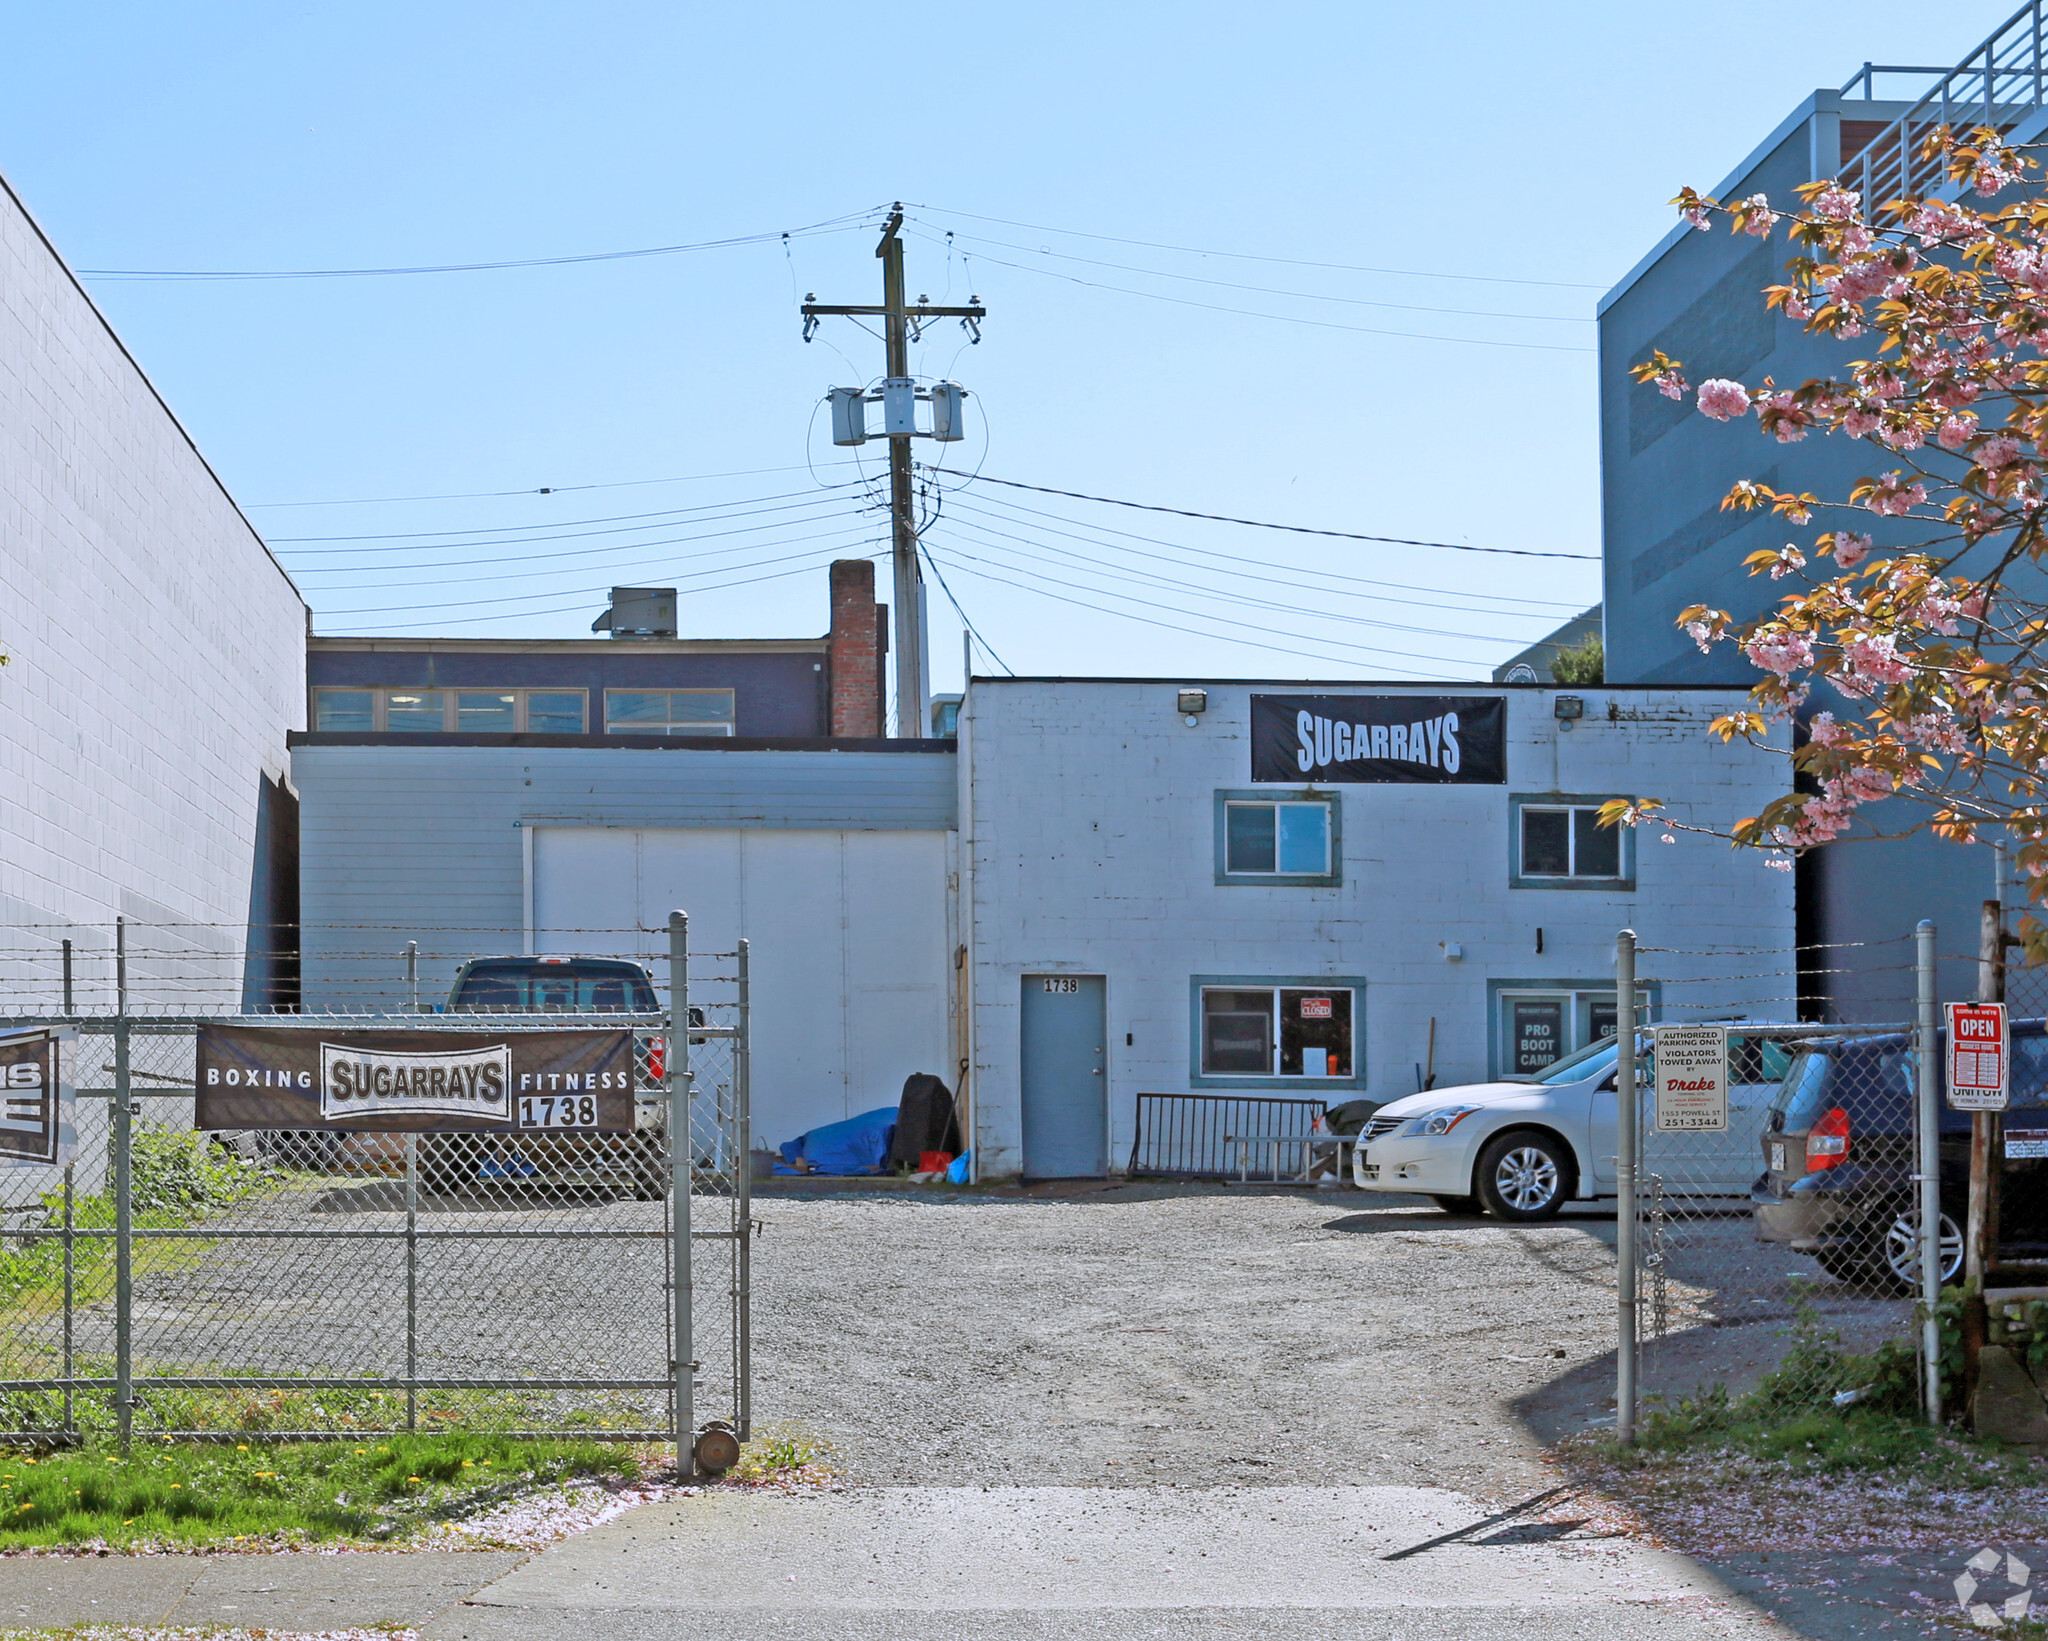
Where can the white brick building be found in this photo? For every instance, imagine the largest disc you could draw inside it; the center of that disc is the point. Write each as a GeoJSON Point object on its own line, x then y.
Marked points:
{"type": "Point", "coordinates": [1128, 879]}
{"type": "Point", "coordinates": [157, 660]}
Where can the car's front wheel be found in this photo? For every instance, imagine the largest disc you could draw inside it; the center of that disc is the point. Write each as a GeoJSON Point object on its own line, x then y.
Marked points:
{"type": "Point", "coordinates": [1524, 1177]}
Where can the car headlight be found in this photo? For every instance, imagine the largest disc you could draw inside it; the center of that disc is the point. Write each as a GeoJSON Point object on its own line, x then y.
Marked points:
{"type": "Point", "coordinates": [1436, 1122]}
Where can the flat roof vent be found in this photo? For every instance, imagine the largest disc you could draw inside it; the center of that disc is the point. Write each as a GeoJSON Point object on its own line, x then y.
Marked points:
{"type": "Point", "coordinates": [639, 612]}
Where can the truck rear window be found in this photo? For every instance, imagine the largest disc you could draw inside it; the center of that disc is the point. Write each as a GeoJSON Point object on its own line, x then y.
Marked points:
{"type": "Point", "coordinates": [555, 988]}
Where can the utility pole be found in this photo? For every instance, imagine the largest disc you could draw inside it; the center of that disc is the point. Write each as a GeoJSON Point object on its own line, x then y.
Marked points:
{"type": "Point", "coordinates": [900, 322]}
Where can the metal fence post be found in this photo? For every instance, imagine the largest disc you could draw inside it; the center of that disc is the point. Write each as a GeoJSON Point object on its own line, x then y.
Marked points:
{"type": "Point", "coordinates": [1626, 1104]}
{"type": "Point", "coordinates": [412, 1281]}
{"type": "Point", "coordinates": [67, 977]}
{"type": "Point", "coordinates": [1929, 1175]}
{"type": "Point", "coordinates": [681, 1154]}
{"type": "Point", "coordinates": [743, 1120]}
{"type": "Point", "coordinates": [124, 1240]}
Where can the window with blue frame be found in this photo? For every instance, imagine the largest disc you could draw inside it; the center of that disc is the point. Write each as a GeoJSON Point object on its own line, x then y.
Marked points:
{"type": "Point", "coordinates": [1263, 838]}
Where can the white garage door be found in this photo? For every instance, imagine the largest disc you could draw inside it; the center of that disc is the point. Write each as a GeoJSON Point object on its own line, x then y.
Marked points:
{"type": "Point", "coordinates": [848, 945]}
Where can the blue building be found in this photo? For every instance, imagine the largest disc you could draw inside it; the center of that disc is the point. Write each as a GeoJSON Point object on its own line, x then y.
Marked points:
{"type": "Point", "coordinates": [1665, 468]}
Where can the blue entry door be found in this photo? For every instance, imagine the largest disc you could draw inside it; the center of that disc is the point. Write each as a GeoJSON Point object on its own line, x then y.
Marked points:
{"type": "Point", "coordinates": [1066, 1077]}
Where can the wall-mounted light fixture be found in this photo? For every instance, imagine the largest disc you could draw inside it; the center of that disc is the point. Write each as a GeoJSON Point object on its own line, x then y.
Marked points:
{"type": "Point", "coordinates": [1192, 703]}
{"type": "Point", "coordinates": [1567, 709]}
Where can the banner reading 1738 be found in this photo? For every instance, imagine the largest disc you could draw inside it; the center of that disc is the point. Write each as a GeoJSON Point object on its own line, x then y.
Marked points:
{"type": "Point", "coordinates": [413, 1082]}
{"type": "Point", "coordinates": [1440, 740]}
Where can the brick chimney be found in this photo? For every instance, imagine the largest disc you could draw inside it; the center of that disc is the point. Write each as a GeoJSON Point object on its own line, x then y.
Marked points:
{"type": "Point", "coordinates": [860, 641]}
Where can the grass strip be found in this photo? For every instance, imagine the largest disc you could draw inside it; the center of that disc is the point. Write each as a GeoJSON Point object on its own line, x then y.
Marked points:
{"type": "Point", "coordinates": [198, 1495]}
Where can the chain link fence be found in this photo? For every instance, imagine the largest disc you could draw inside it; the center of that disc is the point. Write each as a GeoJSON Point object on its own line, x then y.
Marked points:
{"type": "Point", "coordinates": [1787, 1243]}
{"type": "Point", "coordinates": [310, 1283]}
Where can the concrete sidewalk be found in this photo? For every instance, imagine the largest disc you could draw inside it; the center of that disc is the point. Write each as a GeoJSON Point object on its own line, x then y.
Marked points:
{"type": "Point", "coordinates": [1026, 1564]}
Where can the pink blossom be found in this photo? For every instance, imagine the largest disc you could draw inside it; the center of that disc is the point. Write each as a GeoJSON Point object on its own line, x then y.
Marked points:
{"type": "Point", "coordinates": [1855, 238]}
{"type": "Point", "coordinates": [1997, 451]}
{"type": "Point", "coordinates": [1762, 219]}
{"type": "Point", "coordinates": [1859, 281]}
{"type": "Point", "coordinates": [1850, 548]}
{"type": "Point", "coordinates": [1870, 661]}
{"type": "Point", "coordinates": [1779, 651]}
{"type": "Point", "coordinates": [1698, 218]}
{"type": "Point", "coordinates": [1824, 731]}
{"type": "Point", "coordinates": [1859, 422]}
{"type": "Point", "coordinates": [1670, 383]}
{"type": "Point", "coordinates": [1907, 436]}
{"type": "Point", "coordinates": [1796, 307]}
{"type": "Point", "coordinates": [1955, 432]}
{"type": "Point", "coordinates": [1722, 399]}
{"type": "Point", "coordinates": [1894, 499]}
{"type": "Point", "coordinates": [1971, 605]}
{"type": "Point", "coordinates": [1789, 560]}
{"type": "Point", "coordinates": [1782, 415]}
{"type": "Point", "coordinates": [1701, 634]}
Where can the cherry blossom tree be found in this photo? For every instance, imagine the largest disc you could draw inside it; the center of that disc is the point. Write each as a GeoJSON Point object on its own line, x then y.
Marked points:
{"type": "Point", "coordinates": [1938, 666]}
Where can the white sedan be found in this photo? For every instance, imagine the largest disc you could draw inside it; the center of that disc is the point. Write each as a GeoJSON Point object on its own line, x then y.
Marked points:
{"type": "Point", "coordinates": [1521, 1150]}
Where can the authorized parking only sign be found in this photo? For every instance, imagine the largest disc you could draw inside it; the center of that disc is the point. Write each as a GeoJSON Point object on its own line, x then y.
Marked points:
{"type": "Point", "coordinates": [1977, 1057]}
{"type": "Point", "coordinates": [1691, 1065]}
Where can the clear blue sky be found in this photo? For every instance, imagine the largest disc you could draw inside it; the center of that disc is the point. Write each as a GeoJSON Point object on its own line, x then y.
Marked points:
{"type": "Point", "coordinates": [377, 134]}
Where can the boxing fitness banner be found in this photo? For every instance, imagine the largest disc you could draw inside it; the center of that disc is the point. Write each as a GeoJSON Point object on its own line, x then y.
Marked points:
{"type": "Point", "coordinates": [37, 1108]}
{"type": "Point", "coordinates": [1446, 740]}
{"type": "Point", "coordinates": [414, 1082]}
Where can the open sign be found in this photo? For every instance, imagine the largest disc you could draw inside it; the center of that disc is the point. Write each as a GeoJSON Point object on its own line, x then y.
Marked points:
{"type": "Point", "coordinates": [1976, 1057]}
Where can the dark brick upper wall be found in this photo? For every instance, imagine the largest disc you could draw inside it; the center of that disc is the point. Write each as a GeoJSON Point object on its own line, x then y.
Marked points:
{"type": "Point", "coordinates": [773, 694]}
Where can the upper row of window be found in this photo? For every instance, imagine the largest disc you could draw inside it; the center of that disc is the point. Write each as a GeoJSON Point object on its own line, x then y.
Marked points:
{"type": "Point", "coordinates": [521, 711]}
{"type": "Point", "coordinates": [1294, 840]}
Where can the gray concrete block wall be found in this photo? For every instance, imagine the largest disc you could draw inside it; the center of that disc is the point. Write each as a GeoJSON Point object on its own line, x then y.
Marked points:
{"type": "Point", "coordinates": [157, 658]}
{"type": "Point", "coordinates": [1088, 835]}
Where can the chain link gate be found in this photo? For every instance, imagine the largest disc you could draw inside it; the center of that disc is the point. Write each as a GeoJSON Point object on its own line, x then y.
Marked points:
{"type": "Point", "coordinates": [1772, 1252]}
{"type": "Point", "coordinates": [304, 1284]}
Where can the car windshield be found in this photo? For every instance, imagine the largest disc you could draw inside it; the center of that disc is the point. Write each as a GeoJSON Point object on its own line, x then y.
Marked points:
{"type": "Point", "coordinates": [1590, 1061]}
{"type": "Point", "coordinates": [582, 987]}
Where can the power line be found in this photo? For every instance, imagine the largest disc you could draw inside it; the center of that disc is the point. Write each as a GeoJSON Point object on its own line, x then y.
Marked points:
{"type": "Point", "coordinates": [560, 609]}
{"type": "Point", "coordinates": [540, 490]}
{"type": "Point", "coordinates": [1282, 261]}
{"type": "Point", "coordinates": [1247, 626]}
{"type": "Point", "coordinates": [1277, 318]}
{"type": "Point", "coordinates": [833, 225]}
{"type": "Point", "coordinates": [1168, 583]}
{"type": "Point", "coordinates": [966, 620]}
{"type": "Point", "coordinates": [555, 526]}
{"type": "Point", "coordinates": [997, 507]}
{"type": "Point", "coordinates": [1269, 290]}
{"type": "Point", "coordinates": [1263, 524]}
{"type": "Point", "coordinates": [1170, 626]}
{"type": "Point", "coordinates": [660, 564]}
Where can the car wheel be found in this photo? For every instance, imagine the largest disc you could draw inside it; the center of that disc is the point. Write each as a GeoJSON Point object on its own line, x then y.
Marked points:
{"type": "Point", "coordinates": [1898, 1261]}
{"type": "Point", "coordinates": [1457, 1205]}
{"type": "Point", "coordinates": [1524, 1177]}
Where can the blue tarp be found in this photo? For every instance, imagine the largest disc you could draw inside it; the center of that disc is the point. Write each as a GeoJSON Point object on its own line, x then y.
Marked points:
{"type": "Point", "coordinates": [859, 1145]}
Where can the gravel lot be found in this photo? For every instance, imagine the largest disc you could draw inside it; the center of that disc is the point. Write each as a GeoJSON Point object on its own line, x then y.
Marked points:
{"type": "Point", "coordinates": [1191, 1334]}
{"type": "Point", "coordinates": [1172, 1334]}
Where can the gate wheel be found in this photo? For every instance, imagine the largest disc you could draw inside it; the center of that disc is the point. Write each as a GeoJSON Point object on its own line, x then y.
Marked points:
{"type": "Point", "coordinates": [717, 1450]}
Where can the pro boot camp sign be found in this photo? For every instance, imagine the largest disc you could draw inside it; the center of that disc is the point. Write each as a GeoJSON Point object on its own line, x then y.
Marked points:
{"type": "Point", "coordinates": [414, 1082]}
{"type": "Point", "coordinates": [37, 1124]}
{"type": "Point", "coordinates": [1438, 740]}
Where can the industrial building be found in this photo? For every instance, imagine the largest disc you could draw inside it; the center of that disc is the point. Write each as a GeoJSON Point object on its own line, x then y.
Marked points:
{"type": "Point", "coordinates": [1667, 541]}
{"type": "Point", "coordinates": [156, 662]}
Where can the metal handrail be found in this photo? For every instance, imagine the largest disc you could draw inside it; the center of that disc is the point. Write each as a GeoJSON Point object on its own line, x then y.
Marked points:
{"type": "Point", "coordinates": [2004, 75]}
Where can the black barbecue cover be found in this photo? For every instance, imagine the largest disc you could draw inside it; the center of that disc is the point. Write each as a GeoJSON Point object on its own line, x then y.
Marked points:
{"type": "Point", "coordinates": [925, 1120]}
